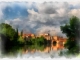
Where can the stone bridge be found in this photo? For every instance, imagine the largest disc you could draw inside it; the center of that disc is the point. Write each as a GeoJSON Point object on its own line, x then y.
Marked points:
{"type": "Point", "coordinates": [56, 41]}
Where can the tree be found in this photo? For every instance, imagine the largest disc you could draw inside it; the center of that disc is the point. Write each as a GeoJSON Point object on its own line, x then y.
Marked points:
{"type": "Point", "coordinates": [72, 31]}
{"type": "Point", "coordinates": [9, 36]}
{"type": "Point", "coordinates": [17, 36]}
{"type": "Point", "coordinates": [21, 32]}
{"type": "Point", "coordinates": [21, 40]}
{"type": "Point", "coordinates": [7, 30]}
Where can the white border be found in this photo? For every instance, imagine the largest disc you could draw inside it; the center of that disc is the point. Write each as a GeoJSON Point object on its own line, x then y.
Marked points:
{"type": "Point", "coordinates": [39, 58]}
{"type": "Point", "coordinates": [41, 1]}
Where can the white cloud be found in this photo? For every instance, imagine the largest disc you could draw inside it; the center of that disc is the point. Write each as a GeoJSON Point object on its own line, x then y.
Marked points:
{"type": "Point", "coordinates": [75, 12]}
{"type": "Point", "coordinates": [15, 23]}
{"type": "Point", "coordinates": [74, 3]}
{"type": "Point", "coordinates": [50, 16]}
{"type": "Point", "coordinates": [1, 14]}
{"type": "Point", "coordinates": [2, 6]}
{"type": "Point", "coordinates": [50, 29]}
{"type": "Point", "coordinates": [17, 20]}
{"type": "Point", "coordinates": [41, 1]}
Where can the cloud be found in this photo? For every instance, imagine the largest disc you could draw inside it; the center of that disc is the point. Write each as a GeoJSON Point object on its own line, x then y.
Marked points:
{"type": "Point", "coordinates": [42, 17]}
{"type": "Point", "coordinates": [2, 6]}
{"type": "Point", "coordinates": [46, 8]}
{"type": "Point", "coordinates": [15, 23]}
{"type": "Point", "coordinates": [46, 17]}
{"type": "Point", "coordinates": [75, 12]}
{"type": "Point", "coordinates": [12, 10]}
{"type": "Point", "coordinates": [1, 14]}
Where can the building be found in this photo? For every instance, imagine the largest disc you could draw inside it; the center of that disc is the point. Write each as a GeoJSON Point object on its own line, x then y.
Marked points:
{"type": "Point", "coordinates": [28, 35]}
{"type": "Point", "coordinates": [60, 41]}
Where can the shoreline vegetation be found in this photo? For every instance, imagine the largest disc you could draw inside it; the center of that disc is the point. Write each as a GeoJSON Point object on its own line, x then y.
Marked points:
{"type": "Point", "coordinates": [12, 41]}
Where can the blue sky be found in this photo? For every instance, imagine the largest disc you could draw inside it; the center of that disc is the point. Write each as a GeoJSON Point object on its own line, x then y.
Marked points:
{"type": "Point", "coordinates": [17, 10]}
{"type": "Point", "coordinates": [38, 17]}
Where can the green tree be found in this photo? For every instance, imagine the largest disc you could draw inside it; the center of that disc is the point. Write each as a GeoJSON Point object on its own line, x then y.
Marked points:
{"type": "Point", "coordinates": [9, 36]}
{"type": "Point", "coordinates": [21, 40]}
{"type": "Point", "coordinates": [7, 30]}
{"type": "Point", "coordinates": [40, 40]}
{"type": "Point", "coordinates": [17, 36]}
{"type": "Point", "coordinates": [72, 31]}
{"type": "Point", "coordinates": [21, 32]}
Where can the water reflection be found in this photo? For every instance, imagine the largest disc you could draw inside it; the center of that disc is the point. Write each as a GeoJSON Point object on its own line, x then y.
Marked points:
{"type": "Point", "coordinates": [51, 48]}
{"type": "Point", "coordinates": [37, 50]}
{"type": "Point", "coordinates": [42, 49]}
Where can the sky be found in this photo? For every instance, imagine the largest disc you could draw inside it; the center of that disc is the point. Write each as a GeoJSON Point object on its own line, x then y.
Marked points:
{"type": "Point", "coordinates": [35, 17]}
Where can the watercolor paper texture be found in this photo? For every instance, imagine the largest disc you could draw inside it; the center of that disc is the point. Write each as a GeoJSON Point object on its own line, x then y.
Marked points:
{"type": "Point", "coordinates": [45, 29]}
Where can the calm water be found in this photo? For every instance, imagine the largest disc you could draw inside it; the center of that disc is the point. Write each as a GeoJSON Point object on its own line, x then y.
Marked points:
{"type": "Point", "coordinates": [42, 51]}
{"type": "Point", "coordinates": [38, 50]}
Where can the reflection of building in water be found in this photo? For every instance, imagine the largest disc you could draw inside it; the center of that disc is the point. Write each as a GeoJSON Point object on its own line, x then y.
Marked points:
{"type": "Point", "coordinates": [25, 51]}
{"type": "Point", "coordinates": [29, 50]}
{"type": "Point", "coordinates": [47, 49]}
{"type": "Point", "coordinates": [33, 51]}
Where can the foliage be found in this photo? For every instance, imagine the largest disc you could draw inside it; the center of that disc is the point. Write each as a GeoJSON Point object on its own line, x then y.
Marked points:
{"type": "Point", "coordinates": [21, 40]}
{"type": "Point", "coordinates": [21, 32]}
{"type": "Point", "coordinates": [39, 41]}
{"type": "Point", "coordinates": [9, 36]}
{"type": "Point", "coordinates": [8, 31]}
{"type": "Point", "coordinates": [35, 43]}
{"type": "Point", "coordinates": [35, 46]}
{"type": "Point", "coordinates": [72, 31]}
